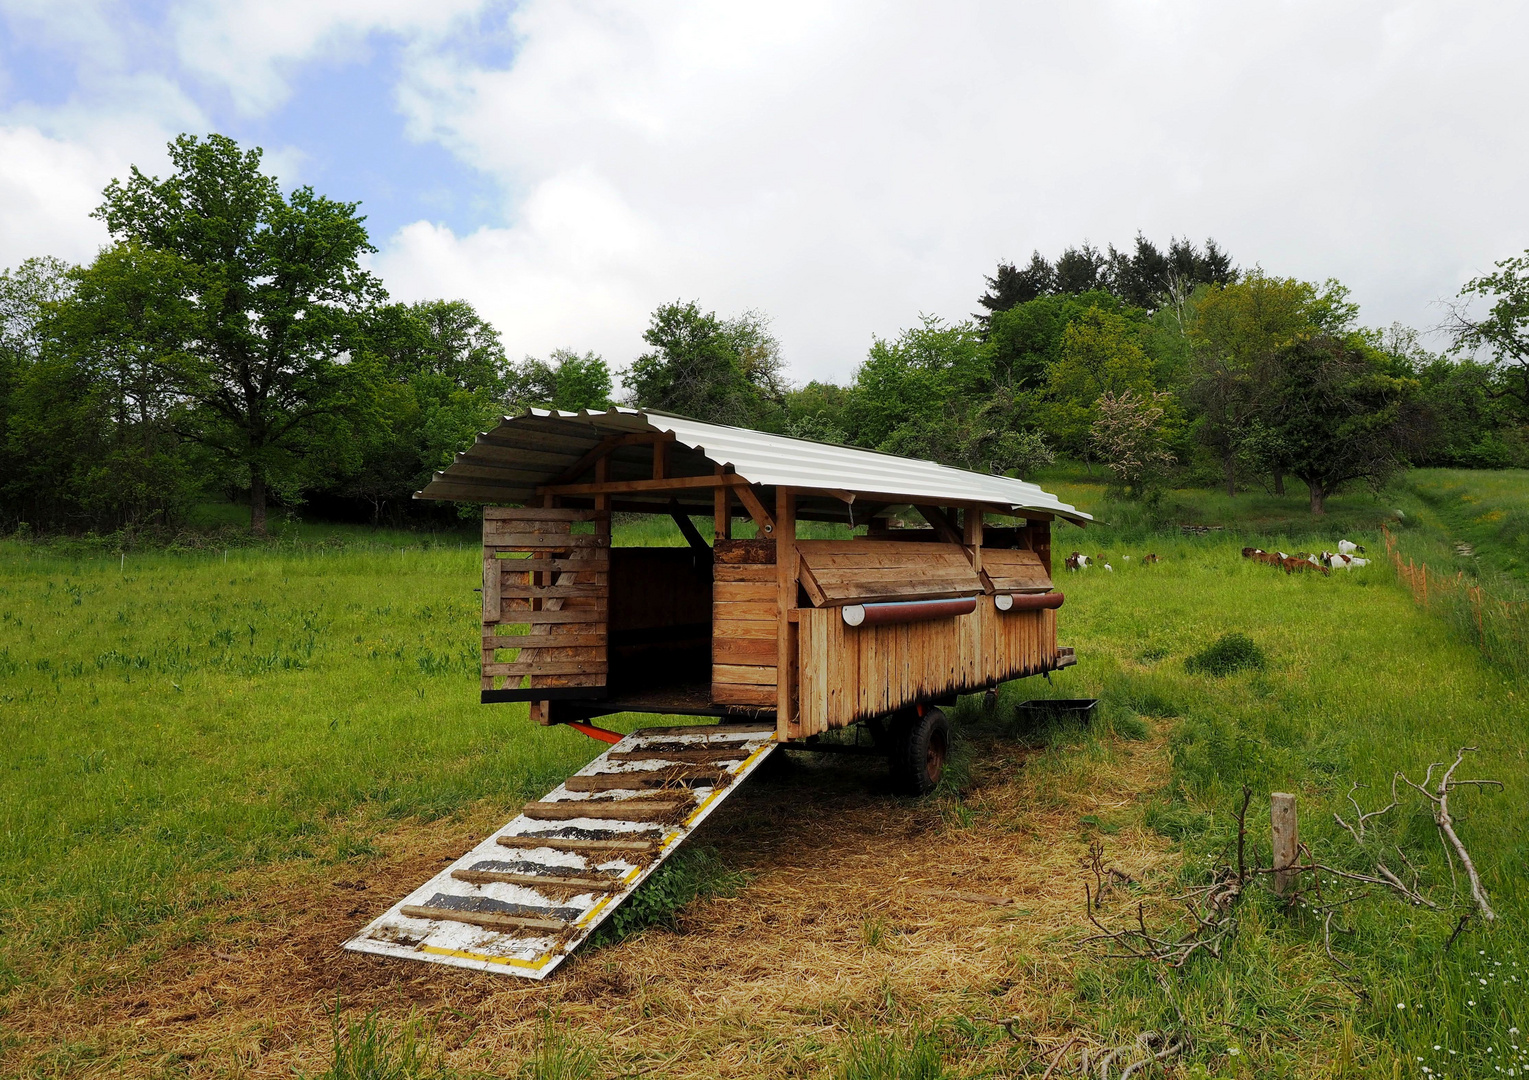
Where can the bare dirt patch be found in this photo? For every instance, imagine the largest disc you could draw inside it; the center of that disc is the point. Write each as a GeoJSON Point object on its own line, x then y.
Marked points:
{"type": "Point", "coordinates": [861, 909]}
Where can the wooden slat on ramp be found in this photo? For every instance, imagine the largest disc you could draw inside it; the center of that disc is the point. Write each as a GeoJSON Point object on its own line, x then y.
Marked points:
{"type": "Point", "coordinates": [524, 898]}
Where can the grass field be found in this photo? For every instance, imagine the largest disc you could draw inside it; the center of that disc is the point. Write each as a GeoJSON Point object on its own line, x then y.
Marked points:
{"type": "Point", "coordinates": [204, 745]}
{"type": "Point", "coordinates": [1476, 522]}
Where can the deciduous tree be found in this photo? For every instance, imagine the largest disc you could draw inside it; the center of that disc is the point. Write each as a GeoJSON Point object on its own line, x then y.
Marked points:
{"type": "Point", "coordinates": [1337, 415]}
{"type": "Point", "coordinates": [1503, 330]}
{"type": "Point", "coordinates": [724, 371]}
{"type": "Point", "coordinates": [1129, 434]}
{"type": "Point", "coordinates": [277, 293]}
{"type": "Point", "coordinates": [1237, 329]}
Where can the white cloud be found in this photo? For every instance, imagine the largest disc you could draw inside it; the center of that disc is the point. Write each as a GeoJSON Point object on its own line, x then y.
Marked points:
{"type": "Point", "coordinates": [252, 48]}
{"type": "Point", "coordinates": [47, 190]}
{"type": "Point", "coordinates": [577, 238]}
{"type": "Point", "coordinates": [843, 166]}
{"type": "Point", "coordinates": [56, 160]}
{"type": "Point", "coordinates": [848, 167]}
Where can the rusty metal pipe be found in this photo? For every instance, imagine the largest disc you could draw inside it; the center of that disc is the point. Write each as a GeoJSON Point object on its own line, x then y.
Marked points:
{"type": "Point", "coordinates": [907, 611]}
{"type": "Point", "coordinates": [1028, 601]}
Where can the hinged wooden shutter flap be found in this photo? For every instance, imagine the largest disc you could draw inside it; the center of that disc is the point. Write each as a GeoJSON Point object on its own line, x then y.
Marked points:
{"type": "Point", "coordinates": [1014, 570]}
{"type": "Point", "coordinates": [839, 572]}
{"type": "Point", "coordinates": [539, 574]}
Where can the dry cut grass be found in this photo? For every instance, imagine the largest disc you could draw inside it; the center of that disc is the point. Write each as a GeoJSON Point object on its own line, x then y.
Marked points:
{"type": "Point", "coordinates": [861, 911]}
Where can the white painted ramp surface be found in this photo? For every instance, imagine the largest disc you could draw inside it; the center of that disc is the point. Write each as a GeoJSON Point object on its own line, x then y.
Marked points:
{"type": "Point", "coordinates": [527, 896]}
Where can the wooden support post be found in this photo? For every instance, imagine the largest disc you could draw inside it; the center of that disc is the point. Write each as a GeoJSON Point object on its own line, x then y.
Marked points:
{"type": "Point", "coordinates": [786, 725]}
{"type": "Point", "coordinates": [1038, 539]}
{"type": "Point", "coordinates": [722, 510]}
{"type": "Point", "coordinates": [971, 536]}
{"type": "Point", "coordinates": [761, 516]}
{"type": "Point", "coordinates": [602, 474]}
{"type": "Point", "coordinates": [692, 535]}
{"type": "Point", "coordinates": [944, 528]}
{"type": "Point", "coordinates": [1286, 837]}
{"type": "Point", "coordinates": [660, 458]}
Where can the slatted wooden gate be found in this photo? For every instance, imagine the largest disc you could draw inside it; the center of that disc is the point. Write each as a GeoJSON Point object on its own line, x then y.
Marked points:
{"type": "Point", "coordinates": [546, 597]}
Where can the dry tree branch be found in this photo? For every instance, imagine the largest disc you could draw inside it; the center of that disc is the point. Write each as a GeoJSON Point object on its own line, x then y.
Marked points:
{"type": "Point", "coordinates": [1146, 1043]}
{"type": "Point", "coordinates": [1211, 911]}
{"type": "Point", "coordinates": [1440, 799]}
{"type": "Point", "coordinates": [1387, 879]}
{"type": "Point", "coordinates": [1459, 926]}
{"type": "Point", "coordinates": [1327, 939]}
{"type": "Point", "coordinates": [1057, 1060]}
{"type": "Point", "coordinates": [1360, 817]}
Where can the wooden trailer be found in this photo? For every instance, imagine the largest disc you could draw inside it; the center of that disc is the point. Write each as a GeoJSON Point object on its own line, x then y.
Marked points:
{"type": "Point", "coordinates": [781, 637]}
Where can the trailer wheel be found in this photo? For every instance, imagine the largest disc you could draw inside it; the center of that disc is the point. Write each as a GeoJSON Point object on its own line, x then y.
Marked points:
{"type": "Point", "coordinates": [919, 745]}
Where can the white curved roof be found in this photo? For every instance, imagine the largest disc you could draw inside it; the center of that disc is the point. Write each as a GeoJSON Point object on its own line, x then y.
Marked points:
{"type": "Point", "coordinates": [508, 463]}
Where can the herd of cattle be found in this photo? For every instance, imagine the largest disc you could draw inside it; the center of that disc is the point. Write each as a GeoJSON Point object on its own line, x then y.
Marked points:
{"type": "Point", "coordinates": [1326, 562]}
{"type": "Point", "coordinates": [1345, 558]}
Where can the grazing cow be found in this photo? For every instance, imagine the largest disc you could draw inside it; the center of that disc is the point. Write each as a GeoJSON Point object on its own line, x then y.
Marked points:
{"type": "Point", "coordinates": [1077, 561]}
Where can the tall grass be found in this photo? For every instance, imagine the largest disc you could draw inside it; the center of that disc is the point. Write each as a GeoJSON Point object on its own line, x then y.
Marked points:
{"type": "Point", "coordinates": [1499, 627]}
{"type": "Point", "coordinates": [173, 715]}
{"type": "Point", "coordinates": [170, 717]}
{"type": "Point", "coordinates": [1358, 682]}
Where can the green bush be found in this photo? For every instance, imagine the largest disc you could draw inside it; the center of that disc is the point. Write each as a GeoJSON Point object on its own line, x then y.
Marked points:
{"type": "Point", "coordinates": [1228, 654]}
{"type": "Point", "coordinates": [689, 874]}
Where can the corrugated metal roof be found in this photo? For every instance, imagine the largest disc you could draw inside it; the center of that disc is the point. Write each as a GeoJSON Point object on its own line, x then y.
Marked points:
{"type": "Point", "coordinates": [508, 463]}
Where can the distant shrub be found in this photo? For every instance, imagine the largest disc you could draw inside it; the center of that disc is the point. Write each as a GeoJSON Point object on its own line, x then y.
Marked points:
{"type": "Point", "coordinates": [1228, 654]}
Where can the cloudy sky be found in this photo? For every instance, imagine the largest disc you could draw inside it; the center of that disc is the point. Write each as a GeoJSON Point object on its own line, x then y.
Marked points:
{"type": "Point", "coordinates": [567, 166]}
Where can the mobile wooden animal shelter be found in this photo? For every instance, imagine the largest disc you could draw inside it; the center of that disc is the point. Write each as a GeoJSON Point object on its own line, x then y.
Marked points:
{"type": "Point", "coordinates": [781, 637]}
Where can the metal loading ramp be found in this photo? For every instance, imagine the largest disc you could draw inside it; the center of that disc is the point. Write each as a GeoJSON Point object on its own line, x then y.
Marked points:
{"type": "Point", "coordinates": [527, 896]}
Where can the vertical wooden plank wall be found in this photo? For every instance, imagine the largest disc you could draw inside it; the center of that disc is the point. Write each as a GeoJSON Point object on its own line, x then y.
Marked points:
{"type": "Point", "coordinates": [853, 673]}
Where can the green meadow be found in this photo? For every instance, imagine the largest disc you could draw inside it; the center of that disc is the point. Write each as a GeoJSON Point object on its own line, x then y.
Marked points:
{"type": "Point", "coordinates": [170, 717]}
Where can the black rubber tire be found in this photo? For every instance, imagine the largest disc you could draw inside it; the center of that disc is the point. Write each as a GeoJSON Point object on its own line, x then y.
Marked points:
{"type": "Point", "coordinates": [919, 747]}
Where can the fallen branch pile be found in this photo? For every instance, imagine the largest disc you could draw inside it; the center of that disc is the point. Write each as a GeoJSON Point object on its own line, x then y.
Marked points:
{"type": "Point", "coordinates": [1212, 908]}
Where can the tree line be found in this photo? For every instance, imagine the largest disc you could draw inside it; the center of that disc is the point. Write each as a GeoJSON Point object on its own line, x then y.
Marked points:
{"type": "Point", "coordinates": [229, 340]}
{"type": "Point", "coordinates": [1157, 365]}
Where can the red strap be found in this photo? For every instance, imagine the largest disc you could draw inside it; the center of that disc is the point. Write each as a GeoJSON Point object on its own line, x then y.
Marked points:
{"type": "Point", "coordinates": [597, 732]}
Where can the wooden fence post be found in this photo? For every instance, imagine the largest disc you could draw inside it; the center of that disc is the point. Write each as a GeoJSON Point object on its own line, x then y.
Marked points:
{"type": "Point", "coordinates": [1286, 837]}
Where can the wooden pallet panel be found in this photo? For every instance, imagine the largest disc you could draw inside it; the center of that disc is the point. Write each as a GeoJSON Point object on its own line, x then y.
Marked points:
{"type": "Point", "coordinates": [547, 570]}
{"type": "Point", "coordinates": [745, 623]}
